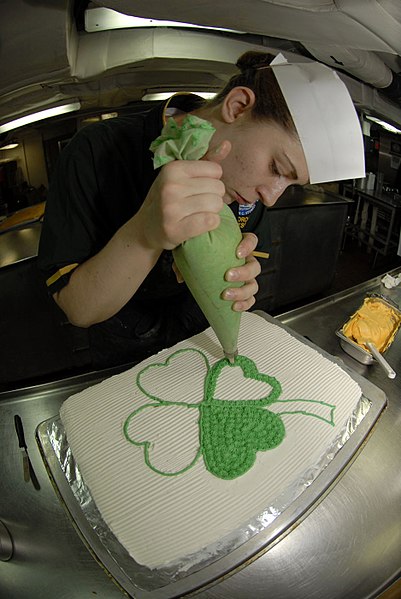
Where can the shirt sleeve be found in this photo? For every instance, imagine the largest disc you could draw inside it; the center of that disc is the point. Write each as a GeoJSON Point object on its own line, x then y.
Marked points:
{"type": "Point", "coordinates": [76, 224]}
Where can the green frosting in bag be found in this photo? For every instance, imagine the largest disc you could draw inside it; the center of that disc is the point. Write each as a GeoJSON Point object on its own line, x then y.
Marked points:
{"type": "Point", "coordinates": [188, 141]}
{"type": "Point", "coordinates": [204, 260]}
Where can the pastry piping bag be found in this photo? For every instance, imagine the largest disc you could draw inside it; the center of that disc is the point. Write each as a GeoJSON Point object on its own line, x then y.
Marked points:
{"type": "Point", "coordinates": [204, 260]}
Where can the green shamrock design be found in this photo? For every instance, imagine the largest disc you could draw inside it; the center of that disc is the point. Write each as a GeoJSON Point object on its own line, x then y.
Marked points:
{"type": "Point", "coordinates": [232, 432]}
{"type": "Point", "coordinates": [229, 433]}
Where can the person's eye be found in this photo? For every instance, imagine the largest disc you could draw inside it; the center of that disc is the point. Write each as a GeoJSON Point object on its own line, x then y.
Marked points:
{"type": "Point", "coordinates": [273, 169]}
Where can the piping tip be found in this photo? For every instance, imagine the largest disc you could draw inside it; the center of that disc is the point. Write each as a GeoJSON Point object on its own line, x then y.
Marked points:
{"type": "Point", "coordinates": [231, 356]}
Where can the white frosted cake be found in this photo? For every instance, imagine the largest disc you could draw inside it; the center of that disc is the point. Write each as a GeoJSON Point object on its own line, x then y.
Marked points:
{"type": "Point", "coordinates": [184, 448]}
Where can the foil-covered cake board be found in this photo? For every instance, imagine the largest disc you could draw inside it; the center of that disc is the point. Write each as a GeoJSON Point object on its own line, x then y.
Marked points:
{"type": "Point", "coordinates": [244, 544]}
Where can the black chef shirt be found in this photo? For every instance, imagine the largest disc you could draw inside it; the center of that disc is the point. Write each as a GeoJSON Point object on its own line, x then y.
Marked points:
{"type": "Point", "coordinates": [101, 181]}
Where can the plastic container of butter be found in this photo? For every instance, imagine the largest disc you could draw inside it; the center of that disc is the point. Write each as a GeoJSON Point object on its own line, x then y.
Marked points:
{"type": "Point", "coordinates": [352, 347]}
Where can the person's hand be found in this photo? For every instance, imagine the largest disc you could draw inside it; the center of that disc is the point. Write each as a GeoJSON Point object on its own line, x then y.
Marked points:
{"type": "Point", "coordinates": [244, 296]}
{"type": "Point", "coordinates": [184, 201]}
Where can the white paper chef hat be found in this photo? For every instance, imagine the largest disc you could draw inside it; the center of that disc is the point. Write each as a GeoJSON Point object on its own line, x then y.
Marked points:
{"type": "Point", "coordinates": [325, 118]}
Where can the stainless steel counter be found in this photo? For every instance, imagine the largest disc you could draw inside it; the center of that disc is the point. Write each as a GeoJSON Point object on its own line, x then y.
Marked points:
{"type": "Point", "coordinates": [349, 546]}
{"type": "Point", "coordinates": [19, 244]}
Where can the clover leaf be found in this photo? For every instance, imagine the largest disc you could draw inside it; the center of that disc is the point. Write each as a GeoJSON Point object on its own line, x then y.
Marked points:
{"type": "Point", "coordinates": [176, 429]}
{"type": "Point", "coordinates": [169, 381]}
{"type": "Point", "coordinates": [168, 434]}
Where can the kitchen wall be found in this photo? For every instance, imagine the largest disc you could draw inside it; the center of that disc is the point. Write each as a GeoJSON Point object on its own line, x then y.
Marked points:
{"type": "Point", "coordinates": [390, 158]}
{"type": "Point", "coordinates": [30, 159]}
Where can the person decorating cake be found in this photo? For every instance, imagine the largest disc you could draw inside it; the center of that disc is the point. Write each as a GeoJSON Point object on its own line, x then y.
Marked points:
{"type": "Point", "coordinates": [112, 219]}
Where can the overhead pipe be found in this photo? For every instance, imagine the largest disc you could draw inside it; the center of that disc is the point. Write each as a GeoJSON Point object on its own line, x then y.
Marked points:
{"type": "Point", "coordinates": [364, 65]}
{"type": "Point", "coordinates": [393, 91]}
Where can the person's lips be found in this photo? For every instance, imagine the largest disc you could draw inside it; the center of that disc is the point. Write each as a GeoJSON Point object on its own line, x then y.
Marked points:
{"type": "Point", "coordinates": [242, 200]}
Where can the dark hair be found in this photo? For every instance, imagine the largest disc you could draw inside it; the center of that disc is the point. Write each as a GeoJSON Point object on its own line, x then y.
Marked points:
{"type": "Point", "coordinates": [256, 74]}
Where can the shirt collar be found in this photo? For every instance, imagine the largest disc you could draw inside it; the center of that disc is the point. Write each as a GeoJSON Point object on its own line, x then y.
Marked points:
{"type": "Point", "coordinates": [182, 102]}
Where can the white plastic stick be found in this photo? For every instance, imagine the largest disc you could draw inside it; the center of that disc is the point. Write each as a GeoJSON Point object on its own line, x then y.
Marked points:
{"type": "Point", "coordinates": [383, 363]}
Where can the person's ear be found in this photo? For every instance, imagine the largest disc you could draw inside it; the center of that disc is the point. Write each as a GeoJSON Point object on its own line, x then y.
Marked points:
{"type": "Point", "coordinates": [238, 102]}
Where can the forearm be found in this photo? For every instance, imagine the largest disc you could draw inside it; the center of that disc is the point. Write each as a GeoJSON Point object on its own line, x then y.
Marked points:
{"type": "Point", "coordinates": [102, 285]}
{"type": "Point", "coordinates": [184, 201]}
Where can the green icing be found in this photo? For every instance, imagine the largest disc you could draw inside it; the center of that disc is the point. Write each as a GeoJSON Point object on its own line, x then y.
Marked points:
{"type": "Point", "coordinates": [147, 444]}
{"type": "Point", "coordinates": [250, 371]}
{"type": "Point", "coordinates": [161, 365]}
{"type": "Point", "coordinates": [231, 432]}
{"type": "Point", "coordinates": [188, 141]}
{"type": "Point", "coordinates": [203, 262]}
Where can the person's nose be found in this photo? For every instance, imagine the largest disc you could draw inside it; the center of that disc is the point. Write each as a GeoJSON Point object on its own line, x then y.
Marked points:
{"type": "Point", "coordinates": [270, 192]}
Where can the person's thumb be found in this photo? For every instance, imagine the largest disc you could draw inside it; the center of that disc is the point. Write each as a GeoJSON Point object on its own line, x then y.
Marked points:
{"type": "Point", "coordinates": [218, 153]}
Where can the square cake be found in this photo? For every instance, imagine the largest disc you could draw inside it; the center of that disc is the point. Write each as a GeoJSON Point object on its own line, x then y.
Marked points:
{"type": "Point", "coordinates": [183, 450]}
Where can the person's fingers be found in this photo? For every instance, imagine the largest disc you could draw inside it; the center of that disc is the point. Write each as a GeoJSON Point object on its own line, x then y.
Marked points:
{"type": "Point", "coordinates": [186, 191]}
{"type": "Point", "coordinates": [197, 204]}
{"type": "Point", "coordinates": [184, 200]}
{"type": "Point", "coordinates": [247, 245]}
{"type": "Point", "coordinates": [176, 170]}
{"type": "Point", "coordinates": [179, 277]}
{"type": "Point", "coordinates": [200, 185]}
{"type": "Point", "coordinates": [243, 293]}
{"type": "Point", "coordinates": [250, 270]}
{"type": "Point", "coordinates": [242, 297]}
{"type": "Point", "coordinates": [218, 153]}
{"type": "Point", "coordinates": [196, 224]}
{"type": "Point", "coordinates": [243, 306]}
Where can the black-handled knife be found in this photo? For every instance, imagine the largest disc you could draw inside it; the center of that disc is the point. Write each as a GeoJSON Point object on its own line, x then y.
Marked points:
{"type": "Point", "coordinates": [22, 443]}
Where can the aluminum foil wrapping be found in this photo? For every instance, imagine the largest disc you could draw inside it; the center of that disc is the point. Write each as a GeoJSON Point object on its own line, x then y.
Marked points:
{"type": "Point", "coordinates": [141, 577]}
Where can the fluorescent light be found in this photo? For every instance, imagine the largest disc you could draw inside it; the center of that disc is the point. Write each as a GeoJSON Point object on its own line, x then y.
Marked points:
{"type": "Point", "coordinates": [39, 116]}
{"type": "Point", "coordinates": [99, 117]}
{"type": "Point", "coordinates": [108, 115]}
{"type": "Point", "coordinates": [383, 124]}
{"type": "Point", "coordinates": [166, 95]}
{"type": "Point", "coordinates": [104, 19]}
{"type": "Point", "coordinates": [9, 146]}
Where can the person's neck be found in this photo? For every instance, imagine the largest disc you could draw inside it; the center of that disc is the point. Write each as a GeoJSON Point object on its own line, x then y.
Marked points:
{"type": "Point", "coordinates": [203, 113]}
